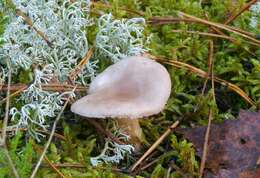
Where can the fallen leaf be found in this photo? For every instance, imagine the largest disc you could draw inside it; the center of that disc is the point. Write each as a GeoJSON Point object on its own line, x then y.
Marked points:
{"type": "Point", "coordinates": [234, 146]}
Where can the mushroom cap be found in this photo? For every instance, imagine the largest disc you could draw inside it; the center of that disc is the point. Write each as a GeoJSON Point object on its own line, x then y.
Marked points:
{"type": "Point", "coordinates": [134, 87]}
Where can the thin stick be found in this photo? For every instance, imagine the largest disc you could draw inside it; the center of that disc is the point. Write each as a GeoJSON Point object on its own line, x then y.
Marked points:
{"type": "Point", "coordinates": [13, 94]}
{"type": "Point", "coordinates": [105, 132]}
{"type": "Point", "coordinates": [205, 146]}
{"type": "Point", "coordinates": [210, 56]}
{"type": "Point", "coordinates": [5, 122]}
{"type": "Point", "coordinates": [30, 23]}
{"type": "Point", "coordinates": [78, 165]}
{"type": "Point", "coordinates": [80, 66]}
{"type": "Point", "coordinates": [50, 138]}
{"type": "Point", "coordinates": [153, 147]}
{"type": "Point", "coordinates": [169, 20]}
{"type": "Point", "coordinates": [203, 74]}
{"type": "Point", "coordinates": [221, 26]}
{"type": "Point", "coordinates": [11, 163]}
{"type": "Point", "coordinates": [149, 164]}
{"type": "Point", "coordinates": [244, 8]}
{"type": "Point", "coordinates": [210, 117]}
{"type": "Point", "coordinates": [37, 130]}
{"type": "Point", "coordinates": [47, 87]}
{"type": "Point", "coordinates": [38, 150]}
{"type": "Point", "coordinates": [205, 34]}
{"type": "Point", "coordinates": [54, 167]}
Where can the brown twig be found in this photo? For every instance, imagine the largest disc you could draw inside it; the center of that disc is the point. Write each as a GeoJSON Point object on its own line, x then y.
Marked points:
{"type": "Point", "coordinates": [29, 22]}
{"type": "Point", "coordinates": [70, 165]}
{"type": "Point", "coordinates": [105, 132]}
{"type": "Point", "coordinates": [210, 117]}
{"type": "Point", "coordinates": [244, 8]}
{"type": "Point", "coordinates": [153, 147]}
{"type": "Point", "coordinates": [221, 26]}
{"type": "Point", "coordinates": [54, 167]}
{"type": "Point", "coordinates": [19, 88]}
{"type": "Point", "coordinates": [168, 20]}
{"type": "Point", "coordinates": [78, 165]}
{"type": "Point", "coordinates": [39, 151]}
{"type": "Point", "coordinates": [10, 161]}
{"type": "Point", "coordinates": [205, 34]}
{"type": "Point", "coordinates": [50, 138]}
{"type": "Point", "coordinates": [149, 164]}
{"type": "Point", "coordinates": [232, 40]}
{"type": "Point", "coordinates": [13, 94]}
{"type": "Point", "coordinates": [37, 130]}
{"type": "Point", "coordinates": [203, 74]}
{"type": "Point", "coordinates": [81, 65]}
{"type": "Point", "coordinates": [5, 123]}
{"type": "Point", "coordinates": [46, 87]}
{"type": "Point", "coordinates": [210, 56]}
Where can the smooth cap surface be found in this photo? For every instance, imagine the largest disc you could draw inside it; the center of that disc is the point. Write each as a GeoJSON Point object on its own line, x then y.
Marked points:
{"type": "Point", "coordinates": [134, 87]}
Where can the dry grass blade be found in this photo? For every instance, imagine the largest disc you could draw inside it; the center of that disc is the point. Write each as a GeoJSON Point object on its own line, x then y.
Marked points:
{"type": "Point", "coordinates": [168, 20]}
{"type": "Point", "coordinates": [105, 132]}
{"type": "Point", "coordinates": [205, 146]}
{"type": "Point", "coordinates": [37, 130]}
{"type": "Point", "coordinates": [54, 167]}
{"type": "Point", "coordinates": [80, 66]}
{"type": "Point", "coordinates": [210, 117]}
{"type": "Point", "coordinates": [46, 87]}
{"type": "Point", "coordinates": [63, 87]}
{"type": "Point", "coordinates": [50, 138]}
{"type": "Point", "coordinates": [19, 88]}
{"type": "Point", "coordinates": [153, 147]}
{"type": "Point", "coordinates": [5, 123]}
{"type": "Point", "coordinates": [203, 74]}
{"type": "Point", "coordinates": [80, 166]}
{"type": "Point", "coordinates": [221, 26]}
{"type": "Point", "coordinates": [13, 94]}
{"type": "Point", "coordinates": [39, 151]}
{"type": "Point", "coordinates": [244, 8]}
{"type": "Point", "coordinates": [11, 163]}
{"type": "Point", "coordinates": [205, 34]}
{"type": "Point", "coordinates": [29, 22]}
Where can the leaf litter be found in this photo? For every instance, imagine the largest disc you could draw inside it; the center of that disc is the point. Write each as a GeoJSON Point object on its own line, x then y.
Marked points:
{"type": "Point", "coordinates": [234, 146]}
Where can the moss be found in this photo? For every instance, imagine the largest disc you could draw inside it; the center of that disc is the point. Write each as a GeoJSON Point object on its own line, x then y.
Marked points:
{"type": "Point", "coordinates": [237, 63]}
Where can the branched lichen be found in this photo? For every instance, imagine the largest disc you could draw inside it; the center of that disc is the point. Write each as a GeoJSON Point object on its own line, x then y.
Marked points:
{"type": "Point", "coordinates": [117, 39]}
{"type": "Point", "coordinates": [255, 9]}
{"type": "Point", "coordinates": [113, 152]}
{"type": "Point", "coordinates": [51, 46]}
{"type": "Point", "coordinates": [62, 23]}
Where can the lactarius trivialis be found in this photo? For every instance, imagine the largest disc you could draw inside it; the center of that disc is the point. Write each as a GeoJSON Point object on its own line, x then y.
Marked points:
{"type": "Point", "coordinates": [128, 90]}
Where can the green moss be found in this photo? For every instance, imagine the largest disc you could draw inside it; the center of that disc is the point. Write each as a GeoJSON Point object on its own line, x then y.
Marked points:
{"type": "Point", "coordinates": [237, 63]}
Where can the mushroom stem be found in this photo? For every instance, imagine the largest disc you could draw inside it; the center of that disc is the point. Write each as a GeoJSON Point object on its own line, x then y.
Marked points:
{"type": "Point", "coordinates": [131, 128]}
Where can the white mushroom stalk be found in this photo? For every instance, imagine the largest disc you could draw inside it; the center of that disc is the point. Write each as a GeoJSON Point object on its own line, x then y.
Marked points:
{"type": "Point", "coordinates": [133, 88]}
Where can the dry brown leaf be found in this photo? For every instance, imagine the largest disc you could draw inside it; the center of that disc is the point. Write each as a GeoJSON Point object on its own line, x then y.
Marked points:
{"type": "Point", "coordinates": [234, 146]}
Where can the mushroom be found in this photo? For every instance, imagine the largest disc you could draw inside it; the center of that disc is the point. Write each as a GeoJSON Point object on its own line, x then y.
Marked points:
{"type": "Point", "coordinates": [128, 90]}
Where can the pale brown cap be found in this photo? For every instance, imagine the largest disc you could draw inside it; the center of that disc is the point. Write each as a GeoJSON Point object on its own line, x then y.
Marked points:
{"type": "Point", "coordinates": [134, 87]}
